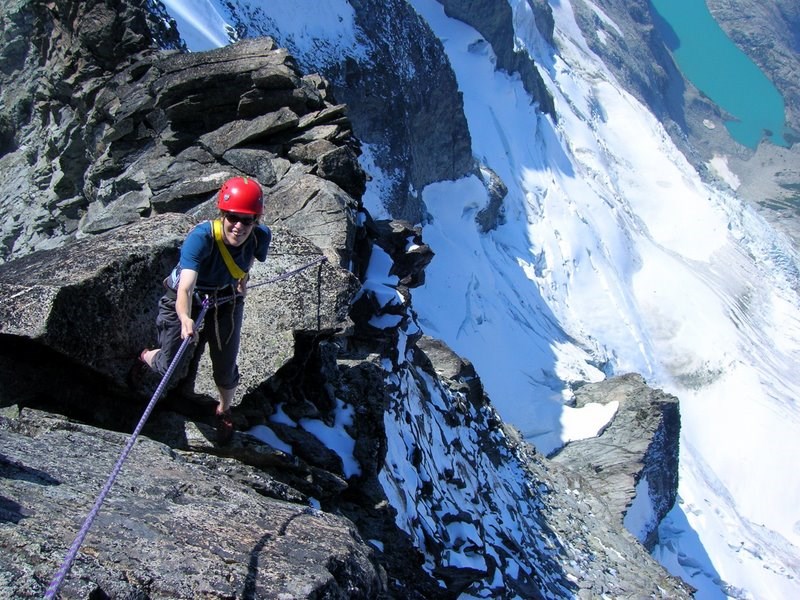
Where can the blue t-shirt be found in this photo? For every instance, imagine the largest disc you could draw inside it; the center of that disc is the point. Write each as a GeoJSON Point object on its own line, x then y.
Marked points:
{"type": "Point", "coordinates": [199, 253]}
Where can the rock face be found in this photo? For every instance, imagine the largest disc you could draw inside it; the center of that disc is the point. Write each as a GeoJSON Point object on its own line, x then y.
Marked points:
{"type": "Point", "coordinates": [66, 298]}
{"type": "Point", "coordinates": [47, 91]}
{"type": "Point", "coordinates": [484, 499]}
{"type": "Point", "coordinates": [417, 131]}
{"type": "Point", "coordinates": [495, 22]}
{"type": "Point", "coordinates": [367, 461]}
{"type": "Point", "coordinates": [176, 524]}
{"type": "Point", "coordinates": [638, 448]}
{"type": "Point", "coordinates": [134, 146]}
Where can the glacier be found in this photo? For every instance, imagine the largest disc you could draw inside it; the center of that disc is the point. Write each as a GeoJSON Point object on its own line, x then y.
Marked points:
{"type": "Point", "coordinates": [614, 257]}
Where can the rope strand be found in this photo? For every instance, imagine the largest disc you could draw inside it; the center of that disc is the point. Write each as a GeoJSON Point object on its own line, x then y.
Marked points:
{"type": "Point", "coordinates": [58, 580]}
{"type": "Point", "coordinates": [317, 261]}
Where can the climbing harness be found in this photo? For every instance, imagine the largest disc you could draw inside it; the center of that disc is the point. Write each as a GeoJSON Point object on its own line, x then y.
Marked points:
{"type": "Point", "coordinates": [58, 579]}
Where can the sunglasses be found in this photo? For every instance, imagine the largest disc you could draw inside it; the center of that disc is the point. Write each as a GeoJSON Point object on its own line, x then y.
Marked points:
{"type": "Point", "coordinates": [233, 219]}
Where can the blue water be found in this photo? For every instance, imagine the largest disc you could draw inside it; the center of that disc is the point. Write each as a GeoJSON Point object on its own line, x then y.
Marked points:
{"type": "Point", "coordinates": [725, 74]}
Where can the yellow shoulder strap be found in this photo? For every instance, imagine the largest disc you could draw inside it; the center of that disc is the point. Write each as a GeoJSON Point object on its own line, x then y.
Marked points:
{"type": "Point", "coordinates": [234, 269]}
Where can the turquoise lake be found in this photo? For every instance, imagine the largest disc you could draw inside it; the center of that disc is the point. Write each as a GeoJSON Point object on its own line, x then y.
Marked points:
{"type": "Point", "coordinates": [714, 64]}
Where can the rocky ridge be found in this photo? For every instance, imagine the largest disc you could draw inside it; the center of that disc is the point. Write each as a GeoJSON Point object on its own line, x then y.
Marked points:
{"type": "Point", "coordinates": [621, 461]}
{"type": "Point", "coordinates": [417, 132]}
{"type": "Point", "coordinates": [98, 224]}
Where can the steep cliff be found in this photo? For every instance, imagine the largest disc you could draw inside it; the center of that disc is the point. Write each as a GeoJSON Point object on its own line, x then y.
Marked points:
{"type": "Point", "coordinates": [416, 131]}
{"type": "Point", "coordinates": [495, 22]}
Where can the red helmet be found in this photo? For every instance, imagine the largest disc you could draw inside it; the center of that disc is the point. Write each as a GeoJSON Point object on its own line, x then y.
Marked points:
{"type": "Point", "coordinates": [241, 195]}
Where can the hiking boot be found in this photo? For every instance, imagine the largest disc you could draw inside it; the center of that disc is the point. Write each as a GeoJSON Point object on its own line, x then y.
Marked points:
{"type": "Point", "coordinates": [224, 427]}
{"type": "Point", "coordinates": [137, 372]}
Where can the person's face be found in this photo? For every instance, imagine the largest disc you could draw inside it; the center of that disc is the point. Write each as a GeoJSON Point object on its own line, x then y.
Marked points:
{"type": "Point", "coordinates": [236, 228]}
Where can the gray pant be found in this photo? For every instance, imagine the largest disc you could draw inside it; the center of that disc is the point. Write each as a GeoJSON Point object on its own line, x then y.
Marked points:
{"type": "Point", "coordinates": [221, 330]}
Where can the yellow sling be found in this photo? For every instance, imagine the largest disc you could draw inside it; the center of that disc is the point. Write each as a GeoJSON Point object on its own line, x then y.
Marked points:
{"type": "Point", "coordinates": [234, 269]}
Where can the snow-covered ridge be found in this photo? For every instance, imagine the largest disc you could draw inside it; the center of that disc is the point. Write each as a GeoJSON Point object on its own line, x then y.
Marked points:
{"type": "Point", "coordinates": [644, 266]}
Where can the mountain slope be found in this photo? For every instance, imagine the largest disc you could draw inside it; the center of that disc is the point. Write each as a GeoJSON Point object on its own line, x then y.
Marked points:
{"type": "Point", "coordinates": [648, 269]}
{"type": "Point", "coordinates": [610, 255]}
{"type": "Point", "coordinates": [655, 273]}
{"type": "Point", "coordinates": [343, 407]}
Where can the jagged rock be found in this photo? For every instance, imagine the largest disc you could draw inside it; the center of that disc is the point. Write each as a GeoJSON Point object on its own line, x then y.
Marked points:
{"type": "Point", "coordinates": [636, 453]}
{"type": "Point", "coordinates": [495, 22]}
{"type": "Point", "coordinates": [403, 243]}
{"type": "Point", "coordinates": [459, 373]}
{"type": "Point", "coordinates": [382, 310]}
{"type": "Point", "coordinates": [177, 160]}
{"type": "Point", "coordinates": [47, 87]}
{"type": "Point", "coordinates": [492, 215]}
{"type": "Point", "coordinates": [171, 527]}
{"type": "Point", "coordinates": [65, 299]}
{"type": "Point", "coordinates": [87, 300]}
{"type": "Point", "coordinates": [416, 131]}
{"type": "Point", "coordinates": [316, 209]}
{"type": "Point", "coordinates": [476, 494]}
{"type": "Point", "coordinates": [142, 148]}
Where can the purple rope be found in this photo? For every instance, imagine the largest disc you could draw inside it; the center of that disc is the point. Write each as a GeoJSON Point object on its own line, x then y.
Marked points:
{"type": "Point", "coordinates": [73, 551]}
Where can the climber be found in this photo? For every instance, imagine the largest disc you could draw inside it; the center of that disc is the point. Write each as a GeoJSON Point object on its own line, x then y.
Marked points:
{"type": "Point", "coordinates": [214, 260]}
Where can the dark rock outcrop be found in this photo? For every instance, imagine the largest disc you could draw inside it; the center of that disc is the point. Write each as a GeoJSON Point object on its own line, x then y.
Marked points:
{"type": "Point", "coordinates": [639, 446]}
{"type": "Point", "coordinates": [56, 61]}
{"type": "Point", "coordinates": [492, 215]}
{"type": "Point", "coordinates": [417, 132]}
{"type": "Point", "coordinates": [157, 133]}
{"type": "Point", "coordinates": [495, 22]}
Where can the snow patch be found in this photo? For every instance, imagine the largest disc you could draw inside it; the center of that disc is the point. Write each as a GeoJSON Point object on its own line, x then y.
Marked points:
{"type": "Point", "coordinates": [719, 164]}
